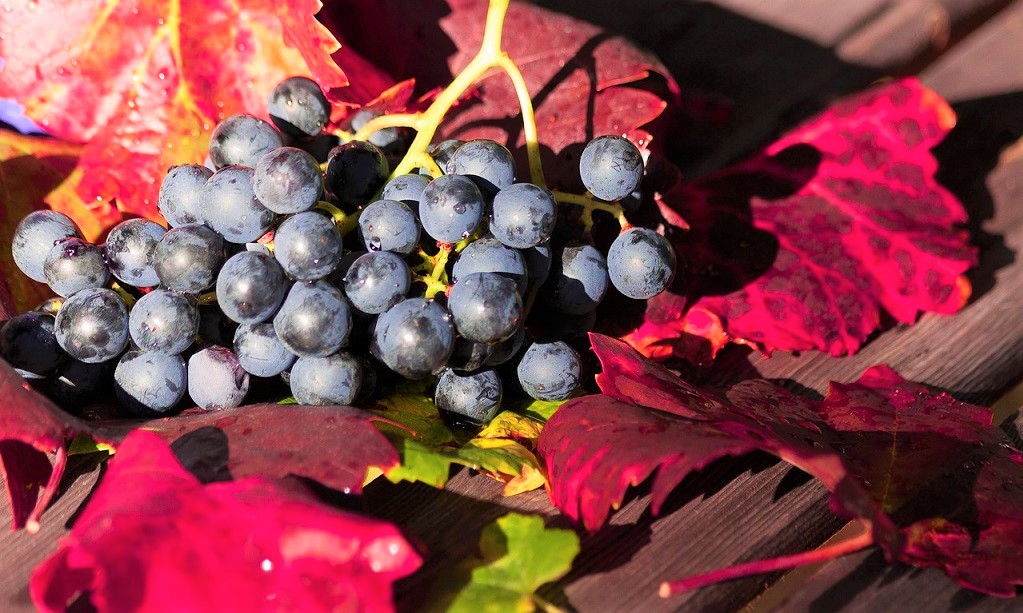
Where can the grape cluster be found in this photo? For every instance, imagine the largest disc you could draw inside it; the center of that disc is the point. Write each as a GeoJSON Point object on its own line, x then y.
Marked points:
{"type": "Point", "coordinates": [255, 279]}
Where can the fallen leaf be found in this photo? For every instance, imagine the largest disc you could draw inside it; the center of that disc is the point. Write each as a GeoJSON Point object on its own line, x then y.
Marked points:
{"type": "Point", "coordinates": [517, 556]}
{"type": "Point", "coordinates": [142, 84]}
{"type": "Point", "coordinates": [935, 482]}
{"type": "Point", "coordinates": [152, 537]}
{"type": "Point", "coordinates": [805, 245]}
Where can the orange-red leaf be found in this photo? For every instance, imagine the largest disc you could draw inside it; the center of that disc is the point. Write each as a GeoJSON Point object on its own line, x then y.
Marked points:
{"type": "Point", "coordinates": [143, 82]}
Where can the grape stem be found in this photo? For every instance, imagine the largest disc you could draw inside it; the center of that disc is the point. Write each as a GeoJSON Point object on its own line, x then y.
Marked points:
{"type": "Point", "coordinates": [437, 280]}
{"type": "Point", "coordinates": [345, 223]}
{"type": "Point", "coordinates": [128, 298]}
{"type": "Point", "coordinates": [757, 567]}
{"type": "Point", "coordinates": [425, 123]}
{"type": "Point", "coordinates": [589, 204]}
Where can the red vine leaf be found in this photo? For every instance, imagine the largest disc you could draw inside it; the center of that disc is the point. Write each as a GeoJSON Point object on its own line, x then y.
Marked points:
{"type": "Point", "coordinates": [152, 537]}
{"type": "Point", "coordinates": [143, 83]}
{"type": "Point", "coordinates": [936, 483]}
{"type": "Point", "coordinates": [335, 446]}
{"type": "Point", "coordinates": [30, 428]}
{"type": "Point", "coordinates": [806, 244]}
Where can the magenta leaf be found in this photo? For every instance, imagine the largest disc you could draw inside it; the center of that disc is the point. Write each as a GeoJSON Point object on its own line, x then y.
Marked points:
{"type": "Point", "coordinates": [154, 538]}
{"type": "Point", "coordinates": [935, 483]}
{"type": "Point", "coordinates": [805, 245]}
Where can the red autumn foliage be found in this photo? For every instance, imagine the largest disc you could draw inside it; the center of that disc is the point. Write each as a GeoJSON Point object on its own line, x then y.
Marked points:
{"type": "Point", "coordinates": [935, 481]}
{"type": "Point", "coordinates": [805, 245]}
{"type": "Point", "coordinates": [154, 538]}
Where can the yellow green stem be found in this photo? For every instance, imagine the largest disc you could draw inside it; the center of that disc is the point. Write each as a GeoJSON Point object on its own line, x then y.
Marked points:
{"type": "Point", "coordinates": [345, 223]}
{"type": "Point", "coordinates": [380, 122]}
{"type": "Point", "coordinates": [589, 204]}
{"type": "Point", "coordinates": [208, 298]}
{"type": "Point", "coordinates": [528, 119]}
{"type": "Point", "coordinates": [128, 298]}
{"type": "Point", "coordinates": [437, 281]}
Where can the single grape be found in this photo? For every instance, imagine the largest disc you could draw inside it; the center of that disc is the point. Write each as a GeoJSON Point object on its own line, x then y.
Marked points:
{"type": "Point", "coordinates": [73, 265]}
{"type": "Point", "coordinates": [307, 246]}
{"type": "Point", "coordinates": [506, 349]}
{"type": "Point", "coordinates": [486, 307]}
{"type": "Point", "coordinates": [242, 139]}
{"type": "Point", "coordinates": [164, 322]}
{"type": "Point", "coordinates": [130, 251]}
{"type": "Point", "coordinates": [451, 208]}
{"type": "Point", "coordinates": [369, 381]}
{"type": "Point", "coordinates": [148, 383]}
{"type": "Point", "coordinates": [377, 281]}
{"type": "Point", "coordinates": [489, 164]}
{"type": "Point", "coordinates": [523, 215]}
{"type": "Point", "coordinates": [250, 287]}
{"type": "Point", "coordinates": [216, 380]}
{"type": "Point", "coordinates": [35, 235]}
{"type": "Point", "coordinates": [230, 207]}
{"type": "Point", "coordinates": [476, 397]}
{"type": "Point", "coordinates": [287, 180]}
{"type": "Point", "coordinates": [414, 338]}
{"type": "Point", "coordinates": [640, 263]}
{"type": "Point", "coordinates": [469, 355]}
{"type": "Point", "coordinates": [181, 194]}
{"type": "Point", "coordinates": [259, 350]}
{"type": "Point", "coordinates": [611, 167]}
{"type": "Point", "coordinates": [441, 152]}
{"type": "Point", "coordinates": [314, 320]}
{"type": "Point", "coordinates": [298, 107]}
{"type": "Point", "coordinates": [389, 225]}
{"type": "Point", "coordinates": [489, 255]}
{"type": "Point", "coordinates": [579, 281]}
{"type": "Point", "coordinates": [390, 140]}
{"type": "Point", "coordinates": [355, 171]}
{"type": "Point", "coordinates": [188, 258]}
{"type": "Point", "coordinates": [538, 265]}
{"type": "Point", "coordinates": [549, 371]}
{"type": "Point", "coordinates": [407, 189]}
{"type": "Point", "coordinates": [92, 325]}
{"type": "Point", "coordinates": [333, 379]}
{"type": "Point", "coordinates": [28, 343]}
{"type": "Point", "coordinates": [76, 383]}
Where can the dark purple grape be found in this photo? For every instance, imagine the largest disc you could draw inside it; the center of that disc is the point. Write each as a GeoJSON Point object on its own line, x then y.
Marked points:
{"type": "Point", "coordinates": [131, 251]}
{"type": "Point", "coordinates": [469, 355]}
{"type": "Point", "coordinates": [188, 258]}
{"type": "Point", "coordinates": [538, 265]}
{"type": "Point", "coordinates": [28, 343]}
{"type": "Point", "coordinates": [181, 194]}
{"type": "Point", "coordinates": [390, 140]}
{"type": "Point", "coordinates": [523, 215]}
{"type": "Point", "coordinates": [164, 322]}
{"type": "Point", "coordinates": [92, 325]}
{"type": "Point", "coordinates": [242, 139]}
{"type": "Point", "coordinates": [315, 319]}
{"type": "Point", "coordinates": [489, 164]}
{"type": "Point", "coordinates": [355, 171]}
{"type": "Point", "coordinates": [486, 307]}
{"type": "Point", "coordinates": [250, 287]}
{"type": "Point", "coordinates": [611, 167]}
{"type": "Point", "coordinates": [389, 225]}
{"type": "Point", "coordinates": [441, 152]}
{"type": "Point", "coordinates": [35, 235]}
{"type": "Point", "coordinates": [77, 382]}
{"type": "Point", "coordinates": [507, 349]}
{"type": "Point", "coordinates": [549, 371]}
{"type": "Point", "coordinates": [407, 189]}
{"type": "Point", "coordinates": [451, 208]}
{"type": "Point", "coordinates": [377, 281]}
{"type": "Point", "coordinates": [308, 246]}
{"type": "Point", "coordinates": [230, 207]}
{"type": "Point", "coordinates": [489, 255]}
{"type": "Point", "coordinates": [259, 350]}
{"type": "Point", "coordinates": [287, 180]}
{"type": "Point", "coordinates": [579, 282]}
{"type": "Point", "coordinates": [148, 383]}
{"type": "Point", "coordinates": [474, 397]}
{"type": "Point", "coordinates": [216, 380]}
{"type": "Point", "coordinates": [331, 380]}
{"type": "Point", "coordinates": [640, 263]}
{"type": "Point", "coordinates": [414, 338]}
{"type": "Point", "coordinates": [73, 265]}
{"type": "Point", "coordinates": [298, 107]}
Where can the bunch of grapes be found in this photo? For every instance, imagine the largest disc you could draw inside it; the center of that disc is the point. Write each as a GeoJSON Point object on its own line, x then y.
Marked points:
{"type": "Point", "coordinates": [328, 279]}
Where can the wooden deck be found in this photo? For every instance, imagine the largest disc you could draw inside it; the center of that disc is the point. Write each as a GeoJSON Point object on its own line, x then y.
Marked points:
{"type": "Point", "coordinates": [778, 62]}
